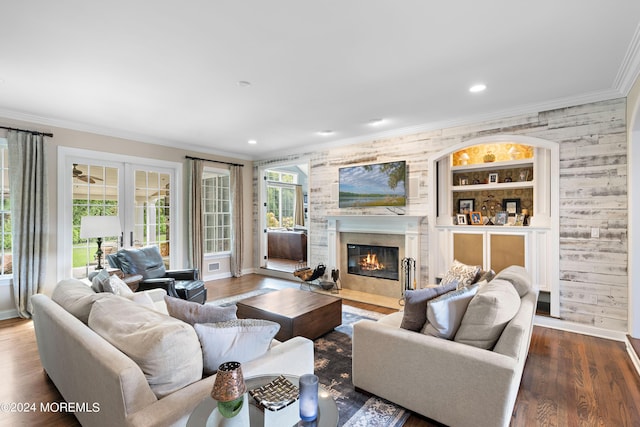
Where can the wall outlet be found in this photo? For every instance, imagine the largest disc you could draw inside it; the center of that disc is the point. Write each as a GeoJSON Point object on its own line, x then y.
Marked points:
{"type": "Point", "coordinates": [595, 233]}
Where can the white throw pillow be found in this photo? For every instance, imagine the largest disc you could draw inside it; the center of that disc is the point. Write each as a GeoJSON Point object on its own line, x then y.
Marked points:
{"type": "Point", "coordinates": [116, 286]}
{"type": "Point", "coordinates": [239, 340]}
{"type": "Point", "coordinates": [167, 350]}
{"type": "Point", "coordinates": [463, 273]}
{"type": "Point", "coordinates": [488, 313]}
{"type": "Point", "coordinates": [444, 313]}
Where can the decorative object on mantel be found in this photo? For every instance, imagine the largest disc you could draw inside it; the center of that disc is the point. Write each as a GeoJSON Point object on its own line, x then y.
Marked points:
{"type": "Point", "coordinates": [489, 157]}
{"type": "Point", "coordinates": [409, 268]}
{"type": "Point", "coordinates": [229, 389]}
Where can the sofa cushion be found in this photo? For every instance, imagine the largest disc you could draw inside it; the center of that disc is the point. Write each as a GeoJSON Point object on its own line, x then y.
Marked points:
{"type": "Point", "coordinates": [488, 313]}
{"type": "Point", "coordinates": [463, 273]}
{"type": "Point", "coordinates": [167, 350]}
{"type": "Point", "coordinates": [239, 340]}
{"type": "Point", "coordinates": [519, 278]}
{"type": "Point", "coordinates": [76, 297]}
{"type": "Point", "coordinates": [193, 312]}
{"type": "Point", "coordinates": [444, 313]}
{"type": "Point", "coordinates": [415, 305]}
{"type": "Point", "coordinates": [99, 280]}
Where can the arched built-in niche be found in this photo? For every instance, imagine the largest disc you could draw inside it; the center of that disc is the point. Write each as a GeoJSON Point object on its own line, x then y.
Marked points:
{"type": "Point", "coordinates": [538, 242]}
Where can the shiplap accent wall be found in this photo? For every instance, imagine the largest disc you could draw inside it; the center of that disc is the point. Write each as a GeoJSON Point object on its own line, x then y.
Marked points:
{"type": "Point", "coordinates": [593, 194]}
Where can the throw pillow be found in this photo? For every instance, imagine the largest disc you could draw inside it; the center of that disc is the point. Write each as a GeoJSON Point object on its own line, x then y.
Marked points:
{"type": "Point", "coordinates": [519, 278]}
{"type": "Point", "coordinates": [488, 313]}
{"type": "Point", "coordinates": [444, 313]}
{"type": "Point", "coordinates": [239, 340]}
{"type": "Point", "coordinates": [166, 349]}
{"type": "Point", "coordinates": [116, 286]}
{"type": "Point", "coordinates": [193, 312]}
{"type": "Point", "coordinates": [463, 273]}
{"type": "Point", "coordinates": [415, 305]}
{"type": "Point", "coordinates": [76, 298]}
{"type": "Point", "coordinates": [99, 280]}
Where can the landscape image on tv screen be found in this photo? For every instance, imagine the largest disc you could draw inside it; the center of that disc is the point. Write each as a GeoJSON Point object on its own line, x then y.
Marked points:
{"type": "Point", "coordinates": [381, 184]}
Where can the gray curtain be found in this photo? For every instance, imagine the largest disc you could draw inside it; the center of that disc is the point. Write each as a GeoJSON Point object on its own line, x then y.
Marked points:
{"type": "Point", "coordinates": [29, 216]}
{"type": "Point", "coordinates": [236, 220]}
{"type": "Point", "coordinates": [298, 210]}
{"type": "Point", "coordinates": [196, 226]}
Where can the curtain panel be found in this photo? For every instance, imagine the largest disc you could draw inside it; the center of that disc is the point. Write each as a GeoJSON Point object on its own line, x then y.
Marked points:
{"type": "Point", "coordinates": [236, 220]}
{"type": "Point", "coordinates": [196, 226]}
{"type": "Point", "coordinates": [29, 215]}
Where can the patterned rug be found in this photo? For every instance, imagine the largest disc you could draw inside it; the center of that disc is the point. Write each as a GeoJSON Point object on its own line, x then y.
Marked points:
{"type": "Point", "coordinates": [333, 367]}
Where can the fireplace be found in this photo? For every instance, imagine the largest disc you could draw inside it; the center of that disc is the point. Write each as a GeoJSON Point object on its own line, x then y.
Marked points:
{"type": "Point", "coordinates": [380, 262]}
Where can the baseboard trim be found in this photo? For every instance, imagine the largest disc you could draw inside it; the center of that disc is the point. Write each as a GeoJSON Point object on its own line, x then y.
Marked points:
{"type": "Point", "coordinates": [563, 325]}
{"type": "Point", "coordinates": [8, 314]}
{"type": "Point", "coordinates": [216, 276]}
{"type": "Point", "coordinates": [633, 355]}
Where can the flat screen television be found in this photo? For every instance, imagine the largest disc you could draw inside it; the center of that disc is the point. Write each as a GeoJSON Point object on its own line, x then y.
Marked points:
{"type": "Point", "coordinates": [379, 184]}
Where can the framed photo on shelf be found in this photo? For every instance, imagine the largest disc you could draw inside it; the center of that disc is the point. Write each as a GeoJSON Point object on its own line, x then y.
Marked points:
{"type": "Point", "coordinates": [519, 220]}
{"type": "Point", "coordinates": [512, 206]}
{"type": "Point", "coordinates": [523, 175]}
{"type": "Point", "coordinates": [476, 218]}
{"type": "Point", "coordinates": [502, 217]}
{"type": "Point", "coordinates": [465, 205]}
{"type": "Point", "coordinates": [462, 219]}
{"type": "Point", "coordinates": [493, 178]}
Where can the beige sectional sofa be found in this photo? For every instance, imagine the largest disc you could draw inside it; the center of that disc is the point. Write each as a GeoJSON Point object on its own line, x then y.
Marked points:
{"type": "Point", "coordinates": [448, 381]}
{"type": "Point", "coordinates": [107, 387]}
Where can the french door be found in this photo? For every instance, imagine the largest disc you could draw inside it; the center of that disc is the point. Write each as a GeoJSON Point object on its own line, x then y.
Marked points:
{"type": "Point", "coordinates": [141, 192]}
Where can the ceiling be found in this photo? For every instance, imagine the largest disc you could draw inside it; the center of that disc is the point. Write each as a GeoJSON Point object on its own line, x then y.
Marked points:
{"type": "Point", "coordinates": [168, 72]}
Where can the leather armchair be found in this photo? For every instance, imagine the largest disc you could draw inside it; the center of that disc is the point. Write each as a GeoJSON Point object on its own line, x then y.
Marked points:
{"type": "Point", "coordinates": [148, 262]}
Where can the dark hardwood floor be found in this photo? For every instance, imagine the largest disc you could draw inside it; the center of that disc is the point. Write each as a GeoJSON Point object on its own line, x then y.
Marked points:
{"type": "Point", "coordinates": [569, 379]}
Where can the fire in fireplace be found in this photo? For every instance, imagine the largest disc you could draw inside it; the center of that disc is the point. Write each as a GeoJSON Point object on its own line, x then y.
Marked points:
{"type": "Point", "coordinates": [373, 261]}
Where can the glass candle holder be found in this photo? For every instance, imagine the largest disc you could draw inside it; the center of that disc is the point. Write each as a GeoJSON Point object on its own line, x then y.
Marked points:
{"type": "Point", "coordinates": [308, 385]}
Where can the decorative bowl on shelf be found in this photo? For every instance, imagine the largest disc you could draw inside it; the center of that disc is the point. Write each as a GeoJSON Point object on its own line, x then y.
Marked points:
{"type": "Point", "coordinates": [489, 157]}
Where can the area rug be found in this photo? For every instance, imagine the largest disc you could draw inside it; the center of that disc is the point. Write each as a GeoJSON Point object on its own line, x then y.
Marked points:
{"type": "Point", "coordinates": [224, 302]}
{"type": "Point", "coordinates": [333, 367]}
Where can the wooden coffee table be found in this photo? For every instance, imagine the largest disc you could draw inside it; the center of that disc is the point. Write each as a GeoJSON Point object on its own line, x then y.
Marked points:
{"type": "Point", "coordinates": [299, 313]}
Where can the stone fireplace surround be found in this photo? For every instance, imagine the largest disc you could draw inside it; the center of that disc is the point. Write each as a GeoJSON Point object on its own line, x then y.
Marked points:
{"type": "Point", "coordinates": [386, 230]}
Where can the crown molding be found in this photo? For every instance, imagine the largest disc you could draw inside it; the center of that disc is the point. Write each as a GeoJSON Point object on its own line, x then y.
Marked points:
{"type": "Point", "coordinates": [115, 133]}
{"type": "Point", "coordinates": [630, 67]}
{"type": "Point", "coordinates": [534, 108]}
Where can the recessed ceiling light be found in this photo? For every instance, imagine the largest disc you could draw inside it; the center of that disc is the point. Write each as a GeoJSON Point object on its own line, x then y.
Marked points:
{"type": "Point", "coordinates": [252, 141]}
{"type": "Point", "coordinates": [376, 122]}
{"type": "Point", "coordinates": [244, 83]}
{"type": "Point", "coordinates": [325, 132]}
{"type": "Point", "coordinates": [477, 88]}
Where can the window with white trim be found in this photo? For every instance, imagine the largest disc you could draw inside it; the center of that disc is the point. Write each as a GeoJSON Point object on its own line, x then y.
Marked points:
{"type": "Point", "coordinates": [216, 211]}
{"type": "Point", "coordinates": [281, 198]}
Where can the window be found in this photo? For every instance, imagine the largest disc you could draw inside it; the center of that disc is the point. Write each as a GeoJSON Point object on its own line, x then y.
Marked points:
{"type": "Point", "coordinates": [216, 211]}
{"type": "Point", "coordinates": [281, 198]}
{"type": "Point", "coordinates": [5, 212]}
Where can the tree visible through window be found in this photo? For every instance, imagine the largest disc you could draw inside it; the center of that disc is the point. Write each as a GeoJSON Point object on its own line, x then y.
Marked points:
{"type": "Point", "coordinates": [280, 198]}
{"type": "Point", "coordinates": [5, 212]}
{"type": "Point", "coordinates": [216, 211]}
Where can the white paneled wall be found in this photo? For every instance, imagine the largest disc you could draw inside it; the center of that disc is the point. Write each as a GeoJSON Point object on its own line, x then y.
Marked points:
{"type": "Point", "coordinates": [593, 194]}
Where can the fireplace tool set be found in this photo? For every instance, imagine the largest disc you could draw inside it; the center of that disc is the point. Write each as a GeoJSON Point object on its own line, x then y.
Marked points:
{"type": "Point", "coordinates": [409, 268]}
